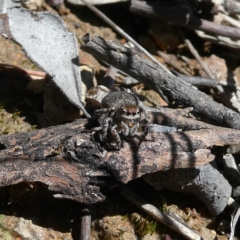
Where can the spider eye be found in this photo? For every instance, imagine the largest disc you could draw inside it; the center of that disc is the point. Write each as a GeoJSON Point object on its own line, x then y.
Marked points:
{"type": "Point", "coordinates": [133, 113]}
{"type": "Point", "coordinates": [123, 109]}
{"type": "Point", "coordinates": [128, 113]}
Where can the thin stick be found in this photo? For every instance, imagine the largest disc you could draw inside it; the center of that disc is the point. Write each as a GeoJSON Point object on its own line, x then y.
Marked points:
{"type": "Point", "coordinates": [232, 21]}
{"type": "Point", "coordinates": [202, 63]}
{"type": "Point", "coordinates": [85, 233]}
{"type": "Point", "coordinates": [235, 215]}
{"type": "Point", "coordinates": [196, 81]}
{"type": "Point", "coordinates": [160, 216]}
{"type": "Point", "coordinates": [120, 30]}
{"type": "Point", "coordinates": [235, 218]}
{"type": "Point", "coordinates": [169, 61]}
{"type": "Point", "coordinates": [196, 55]}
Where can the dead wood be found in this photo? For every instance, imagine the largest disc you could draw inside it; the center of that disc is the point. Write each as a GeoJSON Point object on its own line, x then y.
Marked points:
{"type": "Point", "coordinates": [40, 156]}
{"type": "Point", "coordinates": [181, 15]}
{"type": "Point", "coordinates": [68, 159]}
{"type": "Point", "coordinates": [177, 118]}
{"type": "Point", "coordinates": [170, 87]}
{"type": "Point", "coordinates": [85, 233]}
{"type": "Point", "coordinates": [197, 81]}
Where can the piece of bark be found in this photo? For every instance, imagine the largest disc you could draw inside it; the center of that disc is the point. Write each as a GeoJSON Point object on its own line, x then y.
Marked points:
{"type": "Point", "coordinates": [168, 151]}
{"type": "Point", "coordinates": [170, 87]}
{"type": "Point", "coordinates": [181, 15]}
{"type": "Point", "coordinates": [68, 160]}
{"type": "Point", "coordinates": [41, 156]}
{"type": "Point", "coordinates": [64, 156]}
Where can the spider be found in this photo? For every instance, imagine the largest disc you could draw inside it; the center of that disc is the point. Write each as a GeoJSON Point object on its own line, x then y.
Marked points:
{"type": "Point", "coordinates": [121, 116]}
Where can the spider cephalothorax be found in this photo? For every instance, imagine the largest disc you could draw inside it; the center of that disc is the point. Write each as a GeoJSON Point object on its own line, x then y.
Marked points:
{"type": "Point", "coordinates": [121, 116]}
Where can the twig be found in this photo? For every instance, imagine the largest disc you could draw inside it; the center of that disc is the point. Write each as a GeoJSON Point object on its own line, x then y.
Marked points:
{"type": "Point", "coordinates": [196, 81]}
{"type": "Point", "coordinates": [234, 220]}
{"type": "Point", "coordinates": [235, 215]}
{"type": "Point", "coordinates": [196, 55]}
{"type": "Point", "coordinates": [159, 215]}
{"type": "Point", "coordinates": [119, 30]}
{"type": "Point", "coordinates": [181, 16]}
{"type": "Point", "coordinates": [169, 61]}
{"type": "Point", "coordinates": [232, 21]}
{"type": "Point", "coordinates": [85, 233]}
{"type": "Point", "coordinates": [206, 69]}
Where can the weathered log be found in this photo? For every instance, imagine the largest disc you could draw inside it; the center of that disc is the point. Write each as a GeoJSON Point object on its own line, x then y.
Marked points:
{"type": "Point", "coordinates": [68, 158]}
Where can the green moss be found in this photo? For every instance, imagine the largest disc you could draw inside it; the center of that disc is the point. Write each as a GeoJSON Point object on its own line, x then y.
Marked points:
{"type": "Point", "coordinates": [5, 131]}
{"type": "Point", "coordinates": [163, 206]}
{"type": "Point", "coordinates": [16, 115]}
{"type": "Point", "coordinates": [143, 226]}
{"type": "Point", "coordinates": [5, 232]}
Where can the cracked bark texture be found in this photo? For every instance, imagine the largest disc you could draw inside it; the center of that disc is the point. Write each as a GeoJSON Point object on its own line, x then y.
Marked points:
{"type": "Point", "coordinates": [69, 160]}
{"type": "Point", "coordinates": [170, 87]}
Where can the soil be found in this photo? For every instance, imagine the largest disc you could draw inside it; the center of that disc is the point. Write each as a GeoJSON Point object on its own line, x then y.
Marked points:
{"type": "Point", "coordinates": [28, 210]}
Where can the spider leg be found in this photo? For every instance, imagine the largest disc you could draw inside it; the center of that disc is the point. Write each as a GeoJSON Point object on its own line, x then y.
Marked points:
{"type": "Point", "coordinates": [134, 129]}
{"type": "Point", "coordinates": [145, 132]}
{"type": "Point", "coordinates": [105, 126]}
{"type": "Point", "coordinates": [103, 113]}
{"type": "Point", "coordinates": [125, 128]}
{"type": "Point", "coordinates": [116, 136]}
{"type": "Point", "coordinates": [104, 116]}
{"type": "Point", "coordinates": [99, 113]}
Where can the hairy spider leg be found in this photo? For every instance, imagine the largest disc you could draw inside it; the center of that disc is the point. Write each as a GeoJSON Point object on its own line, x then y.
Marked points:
{"type": "Point", "coordinates": [145, 132]}
{"type": "Point", "coordinates": [116, 136]}
{"type": "Point", "coordinates": [105, 126]}
{"type": "Point", "coordinates": [105, 119]}
{"type": "Point", "coordinates": [125, 128]}
{"type": "Point", "coordinates": [134, 129]}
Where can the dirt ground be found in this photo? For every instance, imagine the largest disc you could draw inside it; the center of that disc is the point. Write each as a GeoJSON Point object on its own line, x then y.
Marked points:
{"type": "Point", "coordinates": [28, 211]}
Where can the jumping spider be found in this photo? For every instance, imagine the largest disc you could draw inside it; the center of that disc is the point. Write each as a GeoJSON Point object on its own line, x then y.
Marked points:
{"type": "Point", "coordinates": [121, 116]}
